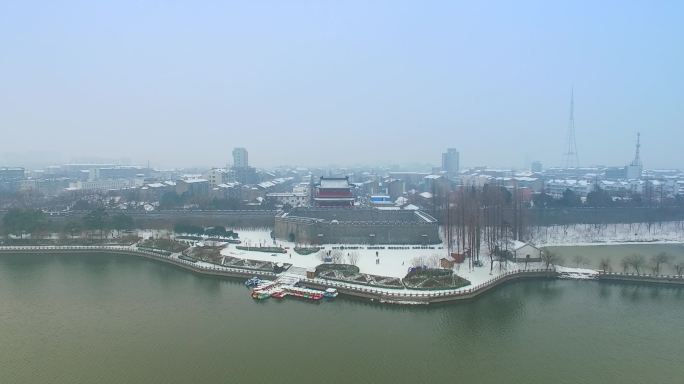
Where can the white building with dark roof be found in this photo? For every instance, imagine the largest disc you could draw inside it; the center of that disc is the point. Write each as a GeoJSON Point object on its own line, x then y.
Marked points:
{"type": "Point", "coordinates": [522, 251]}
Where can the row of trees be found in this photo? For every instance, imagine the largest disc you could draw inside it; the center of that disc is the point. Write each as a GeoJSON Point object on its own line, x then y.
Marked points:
{"type": "Point", "coordinates": [24, 221]}
{"type": "Point", "coordinates": [192, 229]}
{"type": "Point", "coordinates": [635, 262]}
{"type": "Point", "coordinates": [21, 222]}
{"type": "Point", "coordinates": [599, 197]}
{"type": "Point", "coordinates": [336, 256]}
{"type": "Point", "coordinates": [488, 217]}
{"type": "Point", "coordinates": [570, 199]}
{"type": "Point", "coordinates": [172, 200]}
{"type": "Point", "coordinates": [101, 221]}
{"type": "Point", "coordinates": [638, 264]}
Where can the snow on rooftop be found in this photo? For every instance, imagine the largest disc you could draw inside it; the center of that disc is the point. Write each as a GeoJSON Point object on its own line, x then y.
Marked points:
{"type": "Point", "coordinates": [334, 183]}
{"type": "Point", "coordinates": [196, 181]}
{"type": "Point", "coordinates": [228, 185]}
{"type": "Point", "coordinates": [266, 185]}
{"type": "Point", "coordinates": [401, 200]}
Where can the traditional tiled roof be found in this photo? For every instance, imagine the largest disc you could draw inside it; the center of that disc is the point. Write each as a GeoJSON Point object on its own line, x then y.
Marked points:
{"type": "Point", "coordinates": [337, 182]}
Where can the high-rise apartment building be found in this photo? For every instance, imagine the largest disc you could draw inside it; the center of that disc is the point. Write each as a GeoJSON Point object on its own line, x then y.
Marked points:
{"type": "Point", "coordinates": [450, 162]}
{"type": "Point", "coordinates": [240, 158]}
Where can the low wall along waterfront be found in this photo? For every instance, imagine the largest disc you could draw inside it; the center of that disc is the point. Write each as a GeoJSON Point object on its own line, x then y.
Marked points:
{"type": "Point", "coordinates": [644, 278]}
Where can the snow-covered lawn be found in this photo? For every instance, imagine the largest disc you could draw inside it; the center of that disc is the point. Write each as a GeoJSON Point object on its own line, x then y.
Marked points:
{"type": "Point", "coordinates": [396, 263]}
{"type": "Point", "coordinates": [562, 269]}
{"type": "Point", "coordinates": [581, 234]}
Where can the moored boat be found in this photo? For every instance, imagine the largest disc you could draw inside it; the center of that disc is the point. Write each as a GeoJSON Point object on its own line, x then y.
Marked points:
{"type": "Point", "coordinates": [265, 285]}
{"type": "Point", "coordinates": [304, 293]}
{"type": "Point", "coordinates": [330, 293]}
{"type": "Point", "coordinates": [254, 281]}
{"type": "Point", "coordinates": [260, 295]}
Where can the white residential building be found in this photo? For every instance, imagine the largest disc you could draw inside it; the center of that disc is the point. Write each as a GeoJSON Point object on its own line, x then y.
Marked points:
{"type": "Point", "coordinates": [292, 198]}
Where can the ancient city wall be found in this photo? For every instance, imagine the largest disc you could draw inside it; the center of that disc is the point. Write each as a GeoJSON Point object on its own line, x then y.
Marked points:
{"type": "Point", "coordinates": [318, 231]}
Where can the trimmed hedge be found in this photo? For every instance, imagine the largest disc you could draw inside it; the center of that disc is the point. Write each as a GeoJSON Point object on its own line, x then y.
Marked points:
{"type": "Point", "coordinates": [307, 251]}
{"type": "Point", "coordinates": [262, 249]}
{"type": "Point", "coordinates": [433, 279]}
{"type": "Point", "coordinates": [345, 269]}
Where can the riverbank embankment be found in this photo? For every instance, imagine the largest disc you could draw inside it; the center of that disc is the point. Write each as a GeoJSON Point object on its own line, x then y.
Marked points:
{"type": "Point", "coordinates": [382, 295]}
{"type": "Point", "coordinates": [133, 251]}
{"type": "Point", "coordinates": [642, 279]}
{"type": "Point", "coordinates": [398, 296]}
{"type": "Point", "coordinates": [429, 297]}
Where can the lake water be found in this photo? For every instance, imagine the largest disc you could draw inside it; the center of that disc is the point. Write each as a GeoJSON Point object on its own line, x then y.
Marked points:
{"type": "Point", "coordinates": [119, 319]}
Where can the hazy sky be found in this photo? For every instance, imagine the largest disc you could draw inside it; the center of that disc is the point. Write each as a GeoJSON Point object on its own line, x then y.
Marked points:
{"type": "Point", "coordinates": [321, 82]}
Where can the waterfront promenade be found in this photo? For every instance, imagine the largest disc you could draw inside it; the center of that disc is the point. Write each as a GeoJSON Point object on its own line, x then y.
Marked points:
{"type": "Point", "coordinates": [642, 278]}
{"type": "Point", "coordinates": [376, 294]}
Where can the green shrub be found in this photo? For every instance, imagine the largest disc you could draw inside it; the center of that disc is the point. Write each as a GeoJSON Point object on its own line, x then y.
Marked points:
{"type": "Point", "coordinates": [345, 269]}
{"type": "Point", "coordinates": [262, 249]}
{"type": "Point", "coordinates": [307, 251]}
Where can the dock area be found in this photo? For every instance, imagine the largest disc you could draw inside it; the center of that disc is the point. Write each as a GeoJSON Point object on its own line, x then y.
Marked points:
{"type": "Point", "coordinates": [286, 285]}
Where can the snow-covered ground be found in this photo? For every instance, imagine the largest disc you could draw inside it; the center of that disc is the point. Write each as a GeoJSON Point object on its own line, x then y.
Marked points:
{"type": "Point", "coordinates": [395, 263]}
{"type": "Point", "coordinates": [392, 263]}
{"type": "Point", "coordinates": [153, 233]}
{"type": "Point", "coordinates": [581, 234]}
{"type": "Point", "coordinates": [586, 271]}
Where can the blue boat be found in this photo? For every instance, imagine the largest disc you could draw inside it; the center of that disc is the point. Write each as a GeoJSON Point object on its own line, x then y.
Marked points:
{"type": "Point", "coordinates": [252, 282]}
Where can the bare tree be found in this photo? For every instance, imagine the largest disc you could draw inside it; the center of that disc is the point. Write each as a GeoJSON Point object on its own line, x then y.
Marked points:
{"type": "Point", "coordinates": [418, 261]}
{"type": "Point", "coordinates": [337, 256]}
{"type": "Point", "coordinates": [605, 265]}
{"type": "Point", "coordinates": [679, 268]}
{"type": "Point", "coordinates": [493, 201]}
{"type": "Point", "coordinates": [658, 260]}
{"type": "Point", "coordinates": [549, 258]}
{"type": "Point", "coordinates": [353, 258]}
{"type": "Point", "coordinates": [433, 261]}
{"type": "Point", "coordinates": [636, 261]}
{"type": "Point", "coordinates": [625, 264]}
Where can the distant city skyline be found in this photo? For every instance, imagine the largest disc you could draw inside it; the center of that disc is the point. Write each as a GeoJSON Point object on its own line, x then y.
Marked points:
{"type": "Point", "coordinates": [41, 160]}
{"type": "Point", "coordinates": [347, 83]}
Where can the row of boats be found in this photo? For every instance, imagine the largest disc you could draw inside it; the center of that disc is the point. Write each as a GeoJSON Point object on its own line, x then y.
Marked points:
{"type": "Point", "coordinates": [264, 289]}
